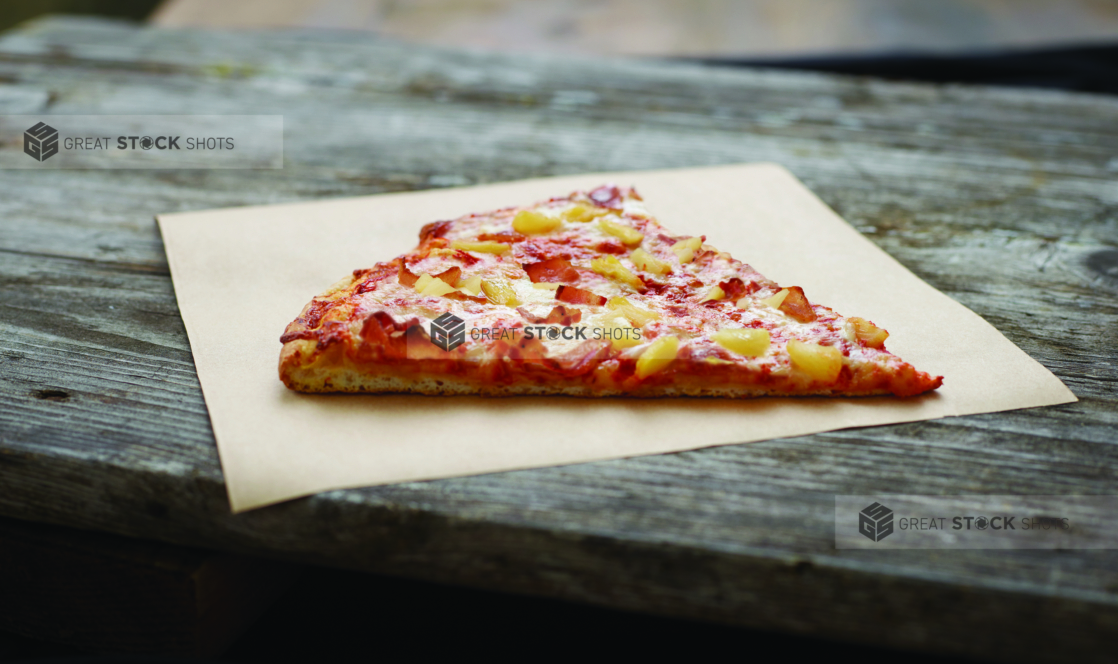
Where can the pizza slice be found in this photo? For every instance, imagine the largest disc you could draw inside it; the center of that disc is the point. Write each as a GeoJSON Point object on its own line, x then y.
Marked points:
{"type": "Point", "coordinates": [584, 295]}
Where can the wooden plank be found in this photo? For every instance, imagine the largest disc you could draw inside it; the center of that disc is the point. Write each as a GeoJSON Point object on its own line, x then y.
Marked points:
{"type": "Point", "coordinates": [107, 593]}
{"type": "Point", "coordinates": [1002, 199]}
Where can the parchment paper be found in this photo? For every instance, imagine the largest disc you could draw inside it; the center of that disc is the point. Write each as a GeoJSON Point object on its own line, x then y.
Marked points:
{"type": "Point", "coordinates": [242, 274]}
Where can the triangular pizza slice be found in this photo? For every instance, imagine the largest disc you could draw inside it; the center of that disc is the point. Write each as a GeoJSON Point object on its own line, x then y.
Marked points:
{"type": "Point", "coordinates": [584, 295]}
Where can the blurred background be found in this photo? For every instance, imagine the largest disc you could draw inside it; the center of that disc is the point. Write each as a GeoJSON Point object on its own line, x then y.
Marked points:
{"type": "Point", "coordinates": [1069, 44]}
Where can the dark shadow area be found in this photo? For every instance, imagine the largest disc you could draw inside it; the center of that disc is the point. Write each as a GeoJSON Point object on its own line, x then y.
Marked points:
{"type": "Point", "coordinates": [14, 12]}
{"type": "Point", "coordinates": [336, 616]}
{"type": "Point", "coordinates": [333, 615]}
{"type": "Point", "coordinates": [1081, 69]}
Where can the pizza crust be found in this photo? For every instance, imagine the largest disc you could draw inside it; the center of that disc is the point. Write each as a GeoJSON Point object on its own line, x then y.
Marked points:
{"type": "Point", "coordinates": [327, 372]}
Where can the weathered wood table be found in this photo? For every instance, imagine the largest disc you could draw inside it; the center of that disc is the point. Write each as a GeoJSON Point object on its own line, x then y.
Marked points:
{"type": "Point", "coordinates": [1007, 200]}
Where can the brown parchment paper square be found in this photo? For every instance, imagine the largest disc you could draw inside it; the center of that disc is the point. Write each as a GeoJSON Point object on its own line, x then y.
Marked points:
{"type": "Point", "coordinates": [242, 274]}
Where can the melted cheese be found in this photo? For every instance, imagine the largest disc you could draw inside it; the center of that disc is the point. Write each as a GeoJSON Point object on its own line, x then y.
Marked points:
{"type": "Point", "coordinates": [676, 298]}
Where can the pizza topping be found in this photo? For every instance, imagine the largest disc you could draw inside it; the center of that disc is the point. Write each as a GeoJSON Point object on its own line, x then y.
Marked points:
{"type": "Point", "coordinates": [748, 342]}
{"type": "Point", "coordinates": [559, 315]}
{"type": "Point", "coordinates": [500, 291]}
{"type": "Point", "coordinates": [867, 332]}
{"type": "Point", "coordinates": [638, 316]}
{"type": "Point", "coordinates": [607, 196]}
{"type": "Point", "coordinates": [434, 286]}
{"type": "Point", "coordinates": [685, 249]}
{"type": "Point", "coordinates": [649, 263]}
{"type": "Point", "coordinates": [486, 247]}
{"type": "Point", "coordinates": [610, 247]}
{"type": "Point", "coordinates": [503, 236]}
{"type": "Point", "coordinates": [572, 295]}
{"type": "Point", "coordinates": [465, 296]}
{"type": "Point", "coordinates": [620, 333]}
{"type": "Point", "coordinates": [822, 363]}
{"type": "Point", "coordinates": [735, 288]}
{"type": "Point", "coordinates": [626, 234]}
{"type": "Point", "coordinates": [713, 294]}
{"type": "Point", "coordinates": [611, 268]}
{"type": "Point", "coordinates": [447, 252]}
{"type": "Point", "coordinates": [796, 306]}
{"type": "Point", "coordinates": [776, 300]}
{"type": "Point", "coordinates": [471, 286]}
{"type": "Point", "coordinates": [556, 269]}
{"type": "Point", "coordinates": [657, 356]}
{"type": "Point", "coordinates": [450, 275]}
{"type": "Point", "coordinates": [434, 229]}
{"type": "Point", "coordinates": [384, 336]}
{"type": "Point", "coordinates": [530, 222]}
{"type": "Point", "coordinates": [583, 358]}
{"type": "Point", "coordinates": [582, 214]}
{"type": "Point", "coordinates": [405, 276]}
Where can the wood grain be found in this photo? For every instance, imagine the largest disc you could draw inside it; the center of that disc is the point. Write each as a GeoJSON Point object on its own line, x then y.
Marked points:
{"type": "Point", "coordinates": [1003, 199]}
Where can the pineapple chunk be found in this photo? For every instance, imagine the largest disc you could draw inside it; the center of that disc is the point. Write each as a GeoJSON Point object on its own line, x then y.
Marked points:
{"type": "Point", "coordinates": [500, 291]}
{"type": "Point", "coordinates": [582, 213]}
{"type": "Point", "coordinates": [435, 286]}
{"type": "Point", "coordinates": [715, 293]}
{"type": "Point", "coordinates": [657, 356]}
{"type": "Point", "coordinates": [422, 282]}
{"type": "Point", "coordinates": [866, 332]}
{"type": "Point", "coordinates": [611, 268]}
{"type": "Point", "coordinates": [621, 334]}
{"type": "Point", "coordinates": [685, 249]}
{"type": "Point", "coordinates": [546, 285]}
{"type": "Point", "coordinates": [636, 315]}
{"type": "Point", "coordinates": [485, 247]}
{"type": "Point", "coordinates": [471, 286]}
{"type": "Point", "coordinates": [530, 222]}
{"type": "Point", "coordinates": [822, 363]}
{"type": "Point", "coordinates": [649, 263]}
{"type": "Point", "coordinates": [748, 342]}
{"type": "Point", "coordinates": [776, 300]}
{"type": "Point", "coordinates": [627, 234]}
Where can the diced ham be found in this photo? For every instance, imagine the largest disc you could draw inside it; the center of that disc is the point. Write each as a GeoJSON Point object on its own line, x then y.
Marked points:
{"type": "Point", "coordinates": [380, 338]}
{"type": "Point", "coordinates": [553, 270]}
{"type": "Point", "coordinates": [406, 277]}
{"type": "Point", "coordinates": [735, 289]}
{"type": "Point", "coordinates": [607, 196]}
{"type": "Point", "coordinates": [572, 295]}
{"type": "Point", "coordinates": [611, 247]}
{"type": "Point", "coordinates": [559, 315]}
{"type": "Point", "coordinates": [795, 304]}
{"type": "Point", "coordinates": [434, 229]}
{"type": "Point", "coordinates": [583, 358]}
{"type": "Point", "coordinates": [450, 275]}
